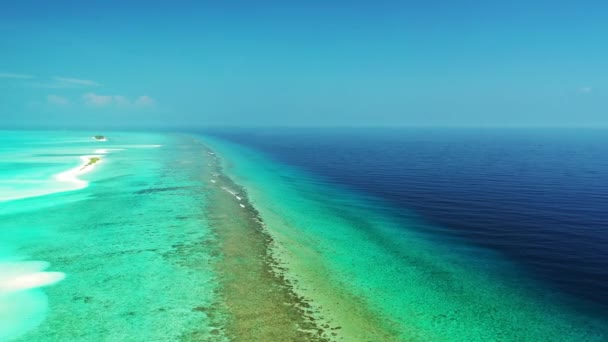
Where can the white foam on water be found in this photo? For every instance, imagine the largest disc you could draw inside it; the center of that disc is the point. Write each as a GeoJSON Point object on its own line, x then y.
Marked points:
{"type": "Point", "coordinates": [61, 182]}
{"type": "Point", "coordinates": [22, 305]}
{"type": "Point", "coordinates": [145, 146]}
{"type": "Point", "coordinates": [107, 150]}
{"type": "Point", "coordinates": [236, 195]}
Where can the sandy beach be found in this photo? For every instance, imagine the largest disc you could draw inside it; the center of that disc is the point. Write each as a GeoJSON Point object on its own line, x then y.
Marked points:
{"type": "Point", "coordinates": [88, 164]}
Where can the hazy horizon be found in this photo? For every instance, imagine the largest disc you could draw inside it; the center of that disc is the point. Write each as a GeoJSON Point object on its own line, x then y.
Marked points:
{"type": "Point", "coordinates": [70, 64]}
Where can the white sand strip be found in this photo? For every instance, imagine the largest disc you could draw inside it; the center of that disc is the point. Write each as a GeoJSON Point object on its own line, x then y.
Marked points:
{"type": "Point", "coordinates": [71, 176]}
{"type": "Point", "coordinates": [18, 276]}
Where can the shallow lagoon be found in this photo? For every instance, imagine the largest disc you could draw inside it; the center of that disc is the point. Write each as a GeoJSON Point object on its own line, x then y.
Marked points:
{"type": "Point", "coordinates": [129, 250]}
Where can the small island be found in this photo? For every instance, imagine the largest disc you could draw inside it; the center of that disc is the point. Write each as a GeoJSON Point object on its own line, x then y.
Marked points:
{"type": "Point", "coordinates": [100, 138]}
{"type": "Point", "coordinates": [92, 161]}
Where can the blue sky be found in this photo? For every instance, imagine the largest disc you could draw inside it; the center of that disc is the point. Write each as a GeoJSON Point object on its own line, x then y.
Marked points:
{"type": "Point", "coordinates": [303, 63]}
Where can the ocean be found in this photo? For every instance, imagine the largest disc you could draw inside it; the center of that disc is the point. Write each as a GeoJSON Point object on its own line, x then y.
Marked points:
{"type": "Point", "coordinates": [460, 234]}
{"type": "Point", "coordinates": [537, 196]}
{"type": "Point", "coordinates": [305, 235]}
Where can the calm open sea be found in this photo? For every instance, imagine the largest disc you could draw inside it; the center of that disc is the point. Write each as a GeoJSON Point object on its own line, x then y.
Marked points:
{"type": "Point", "coordinates": [538, 197]}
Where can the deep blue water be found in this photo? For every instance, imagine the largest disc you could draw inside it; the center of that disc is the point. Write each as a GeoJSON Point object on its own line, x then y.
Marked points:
{"type": "Point", "coordinates": [537, 196]}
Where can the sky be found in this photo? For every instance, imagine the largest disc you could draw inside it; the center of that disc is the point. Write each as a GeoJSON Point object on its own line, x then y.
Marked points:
{"type": "Point", "coordinates": [303, 63]}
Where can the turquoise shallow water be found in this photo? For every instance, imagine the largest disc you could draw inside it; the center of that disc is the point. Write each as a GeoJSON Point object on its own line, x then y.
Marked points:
{"type": "Point", "coordinates": [423, 287]}
{"type": "Point", "coordinates": [130, 251]}
{"type": "Point", "coordinates": [129, 242]}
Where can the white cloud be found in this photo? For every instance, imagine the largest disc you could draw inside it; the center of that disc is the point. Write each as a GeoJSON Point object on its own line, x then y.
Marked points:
{"type": "Point", "coordinates": [145, 101]}
{"type": "Point", "coordinates": [63, 83]}
{"type": "Point", "coordinates": [76, 81]}
{"type": "Point", "coordinates": [98, 100]}
{"type": "Point", "coordinates": [16, 76]}
{"type": "Point", "coordinates": [57, 100]}
{"type": "Point", "coordinates": [54, 83]}
{"type": "Point", "coordinates": [121, 100]}
{"type": "Point", "coordinates": [49, 85]}
{"type": "Point", "coordinates": [585, 90]}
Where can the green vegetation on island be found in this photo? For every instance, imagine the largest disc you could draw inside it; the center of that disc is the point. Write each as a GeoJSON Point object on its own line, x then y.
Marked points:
{"type": "Point", "coordinates": [99, 137]}
{"type": "Point", "coordinates": [92, 161]}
